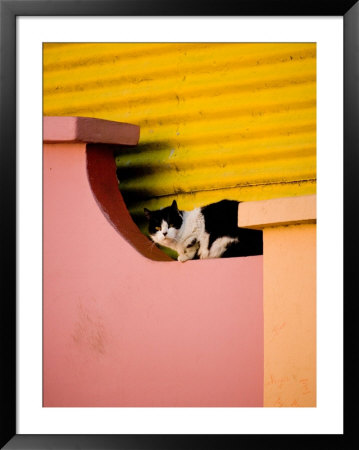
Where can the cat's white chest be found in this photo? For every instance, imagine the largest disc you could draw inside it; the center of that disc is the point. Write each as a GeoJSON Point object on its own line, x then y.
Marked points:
{"type": "Point", "coordinates": [194, 228]}
{"type": "Point", "coordinates": [193, 223]}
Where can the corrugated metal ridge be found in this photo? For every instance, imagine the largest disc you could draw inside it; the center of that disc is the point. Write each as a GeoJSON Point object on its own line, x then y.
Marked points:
{"type": "Point", "coordinates": [227, 113]}
{"type": "Point", "coordinates": [114, 53]}
{"type": "Point", "coordinates": [230, 192]}
{"type": "Point", "coordinates": [190, 63]}
{"type": "Point", "coordinates": [160, 163]}
{"type": "Point", "coordinates": [158, 51]}
{"type": "Point", "coordinates": [207, 178]}
{"type": "Point", "coordinates": [170, 70]}
{"type": "Point", "coordinates": [193, 83]}
{"type": "Point", "coordinates": [242, 134]}
{"type": "Point", "coordinates": [170, 96]}
{"type": "Point", "coordinates": [303, 181]}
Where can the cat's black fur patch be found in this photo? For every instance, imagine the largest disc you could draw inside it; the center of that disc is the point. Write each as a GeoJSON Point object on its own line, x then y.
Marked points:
{"type": "Point", "coordinates": [221, 220]}
{"type": "Point", "coordinates": [192, 243]}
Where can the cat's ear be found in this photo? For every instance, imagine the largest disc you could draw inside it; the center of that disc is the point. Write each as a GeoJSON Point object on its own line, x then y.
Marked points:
{"type": "Point", "coordinates": [174, 205]}
{"type": "Point", "coordinates": [147, 213]}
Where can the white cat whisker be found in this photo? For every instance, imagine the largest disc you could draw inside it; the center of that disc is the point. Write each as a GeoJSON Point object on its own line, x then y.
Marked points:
{"type": "Point", "coordinates": [152, 245]}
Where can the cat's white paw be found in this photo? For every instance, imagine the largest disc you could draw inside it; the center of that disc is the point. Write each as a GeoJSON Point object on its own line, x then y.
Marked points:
{"type": "Point", "coordinates": [182, 258]}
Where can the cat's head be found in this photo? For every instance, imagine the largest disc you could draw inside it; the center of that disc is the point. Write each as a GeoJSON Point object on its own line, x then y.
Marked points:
{"type": "Point", "coordinates": [163, 224]}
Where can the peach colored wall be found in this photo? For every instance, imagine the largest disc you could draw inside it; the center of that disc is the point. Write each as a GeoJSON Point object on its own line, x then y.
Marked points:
{"type": "Point", "coordinates": [123, 330]}
{"type": "Point", "coordinates": [289, 296]}
{"type": "Point", "coordinates": [290, 315]}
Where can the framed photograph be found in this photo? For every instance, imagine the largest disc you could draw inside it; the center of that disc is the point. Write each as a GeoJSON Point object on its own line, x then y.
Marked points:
{"type": "Point", "coordinates": [144, 147]}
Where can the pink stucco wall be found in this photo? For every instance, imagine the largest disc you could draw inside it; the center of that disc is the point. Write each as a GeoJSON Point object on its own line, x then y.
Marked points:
{"type": "Point", "coordinates": [123, 330]}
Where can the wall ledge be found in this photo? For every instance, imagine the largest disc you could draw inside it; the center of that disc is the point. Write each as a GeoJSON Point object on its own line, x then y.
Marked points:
{"type": "Point", "coordinates": [89, 130]}
{"type": "Point", "coordinates": [277, 212]}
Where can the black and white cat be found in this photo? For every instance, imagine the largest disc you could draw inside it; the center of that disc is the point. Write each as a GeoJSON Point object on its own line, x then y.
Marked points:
{"type": "Point", "coordinates": [207, 232]}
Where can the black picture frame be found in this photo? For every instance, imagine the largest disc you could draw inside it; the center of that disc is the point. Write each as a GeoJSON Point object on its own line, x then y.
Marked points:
{"type": "Point", "coordinates": [9, 10]}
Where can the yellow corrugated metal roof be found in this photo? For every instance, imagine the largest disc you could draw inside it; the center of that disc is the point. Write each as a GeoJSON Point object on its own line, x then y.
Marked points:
{"type": "Point", "coordinates": [217, 120]}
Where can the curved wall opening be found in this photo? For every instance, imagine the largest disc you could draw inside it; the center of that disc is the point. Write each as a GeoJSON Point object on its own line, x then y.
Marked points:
{"type": "Point", "coordinates": [101, 172]}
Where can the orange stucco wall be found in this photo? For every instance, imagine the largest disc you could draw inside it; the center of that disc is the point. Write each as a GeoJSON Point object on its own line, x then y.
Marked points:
{"type": "Point", "coordinates": [290, 316]}
{"type": "Point", "coordinates": [289, 296]}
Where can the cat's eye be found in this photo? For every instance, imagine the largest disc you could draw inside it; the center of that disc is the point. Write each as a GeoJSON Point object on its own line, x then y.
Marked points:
{"type": "Point", "coordinates": [158, 228]}
{"type": "Point", "coordinates": [171, 225]}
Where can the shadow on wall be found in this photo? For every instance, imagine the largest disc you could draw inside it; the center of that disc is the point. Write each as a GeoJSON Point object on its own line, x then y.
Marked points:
{"type": "Point", "coordinates": [131, 165]}
{"type": "Point", "coordinates": [131, 162]}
